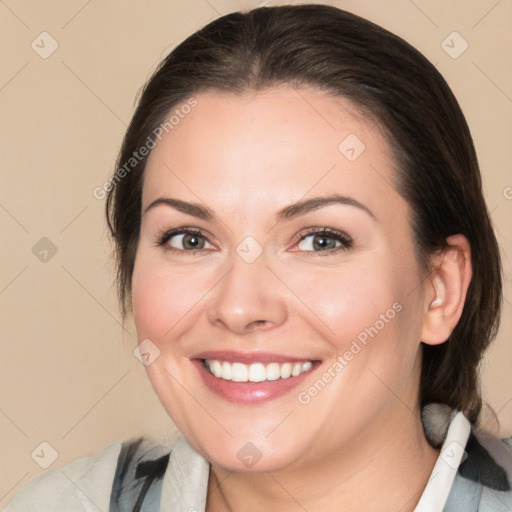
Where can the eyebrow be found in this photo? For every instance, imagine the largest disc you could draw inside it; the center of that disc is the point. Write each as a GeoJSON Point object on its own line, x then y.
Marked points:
{"type": "Point", "coordinates": [194, 209]}
{"type": "Point", "coordinates": [289, 212]}
{"type": "Point", "coordinates": [308, 205]}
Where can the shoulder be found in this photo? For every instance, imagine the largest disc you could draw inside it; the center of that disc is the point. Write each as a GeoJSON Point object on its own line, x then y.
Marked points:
{"type": "Point", "coordinates": [86, 483]}
{"type": "Point", "coordinates": [477, 464]}
{"type": "Point", "coordinates": [485, 474]}
{"type": "Point", "coordinates": [140, 470]}
{"type": "Point", "coordinates": [489, 461]}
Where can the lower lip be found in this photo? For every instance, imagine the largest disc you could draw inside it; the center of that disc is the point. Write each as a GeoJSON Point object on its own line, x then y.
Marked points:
{"type": "Point", "coordinates": [249, 392]}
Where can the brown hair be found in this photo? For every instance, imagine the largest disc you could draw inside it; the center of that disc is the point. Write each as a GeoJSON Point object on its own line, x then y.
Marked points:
{"type": "Point", "coordinates": [328, 49]}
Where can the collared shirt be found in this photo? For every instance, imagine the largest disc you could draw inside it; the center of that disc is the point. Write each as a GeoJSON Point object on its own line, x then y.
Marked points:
{"type": "Point", "coordinates": [473, 473]}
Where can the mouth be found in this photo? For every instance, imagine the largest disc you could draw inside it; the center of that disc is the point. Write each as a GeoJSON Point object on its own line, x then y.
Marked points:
{"type": "Point", "coordinates": [247, 379]}
{"type": "Point", "coordinates": [255, 372]}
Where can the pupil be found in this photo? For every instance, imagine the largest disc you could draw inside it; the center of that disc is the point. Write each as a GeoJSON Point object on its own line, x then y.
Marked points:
{"type": "Point", "coordinates": [193, 242]}
{"type": "Point", "coordinates": [324, 242]}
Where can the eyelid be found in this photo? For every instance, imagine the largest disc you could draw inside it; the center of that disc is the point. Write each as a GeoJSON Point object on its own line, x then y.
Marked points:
{"type": "Point", "coordinates": [165, 235]}
{"type": "Point", "coordinates": [345, 239]}
{"type": "Point", "coordinates": [312, 230]}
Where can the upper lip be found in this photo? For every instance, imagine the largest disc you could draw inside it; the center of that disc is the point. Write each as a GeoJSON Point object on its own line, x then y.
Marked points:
{"type": "Point", "coordinates": [250, 357]}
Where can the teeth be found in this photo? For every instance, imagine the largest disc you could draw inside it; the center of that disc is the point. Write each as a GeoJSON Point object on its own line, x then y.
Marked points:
{"type": "Point", "coordinates": [273, 371]}
{"type": "Point", "coordinates": [226, 371]}
{"type": "Point", "coordinates": [216, 368]}
{"type": "Point", "coordinates": [307, 366]}
{"type": "Point", "coordinates": [256, 372]}
{"type": "Point", "coordinates": [286, 370]}
{"type": "Point", "coordinates": [239, 372]}
{"type": "Point", "coordinates": [296, 369]}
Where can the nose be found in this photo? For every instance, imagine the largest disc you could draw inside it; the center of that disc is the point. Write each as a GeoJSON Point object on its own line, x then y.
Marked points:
{"type": "Point", "coordinates": [248, 298]}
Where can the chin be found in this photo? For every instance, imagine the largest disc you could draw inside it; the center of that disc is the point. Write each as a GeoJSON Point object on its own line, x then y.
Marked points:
{"type": "Point", "coordinates": [248, 458]}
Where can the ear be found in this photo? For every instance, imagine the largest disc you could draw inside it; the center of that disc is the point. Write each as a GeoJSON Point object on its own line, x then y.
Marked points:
{"type": "Point", "coordinates": [450, 276]}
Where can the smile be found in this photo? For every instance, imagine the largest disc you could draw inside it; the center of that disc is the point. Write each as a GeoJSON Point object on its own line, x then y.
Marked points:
{"type": "Point", "coordinates": [255, 372]}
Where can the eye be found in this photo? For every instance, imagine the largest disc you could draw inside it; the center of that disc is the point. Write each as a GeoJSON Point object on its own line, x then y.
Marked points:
{"type": "Point", "coordinates": [184, 240]}
{"type": "Point", "coordinates": [324, 240]}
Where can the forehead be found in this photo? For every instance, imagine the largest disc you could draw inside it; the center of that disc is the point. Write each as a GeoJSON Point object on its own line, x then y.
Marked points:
{"type": "Point", "coordinates": [279, 143]}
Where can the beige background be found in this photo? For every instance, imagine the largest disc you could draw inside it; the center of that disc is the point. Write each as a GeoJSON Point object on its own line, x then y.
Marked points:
{"type": "Point", "coordinates": [68, 374]}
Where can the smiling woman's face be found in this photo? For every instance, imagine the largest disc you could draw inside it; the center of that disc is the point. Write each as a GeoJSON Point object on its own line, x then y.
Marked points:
{"type": "Point", "coordinates": [264, 290]}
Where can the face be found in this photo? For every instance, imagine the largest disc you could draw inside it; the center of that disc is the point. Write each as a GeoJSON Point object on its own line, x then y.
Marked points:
{"type": "Point", "coordinates": [276, 275]}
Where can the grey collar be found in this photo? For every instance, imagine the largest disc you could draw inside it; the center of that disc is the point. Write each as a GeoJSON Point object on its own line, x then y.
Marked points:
{"type": "Point", "coordinates": [185, 481]}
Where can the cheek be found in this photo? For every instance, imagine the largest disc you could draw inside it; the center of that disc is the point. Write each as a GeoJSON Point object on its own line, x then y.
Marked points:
{"type": "Point", "coordinates": [148, 301]}
{"type": "Point", "coordinates": [343, 301]}
{"type": "Point", "coordinates": [368, 309]}
{"type": "Point", "coordinates": [164, 297]}
{"type": "Point", "coordinates": [367, 312]}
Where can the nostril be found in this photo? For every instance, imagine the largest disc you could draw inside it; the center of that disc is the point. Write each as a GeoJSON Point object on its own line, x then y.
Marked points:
{"type": "Point", "coordinates": [257, 323]}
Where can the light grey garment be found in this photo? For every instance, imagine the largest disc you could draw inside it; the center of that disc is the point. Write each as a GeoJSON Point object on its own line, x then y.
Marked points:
{"type": "Point", "coordinates": [472, 475]}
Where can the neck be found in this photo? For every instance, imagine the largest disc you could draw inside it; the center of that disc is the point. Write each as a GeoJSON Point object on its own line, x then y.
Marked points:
{"type": "Point", "coordinates": [385, 468]}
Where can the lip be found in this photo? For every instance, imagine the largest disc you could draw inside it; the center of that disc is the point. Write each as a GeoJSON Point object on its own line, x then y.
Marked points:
{"type": "Point", "coordinates": [249, 393]}
{"type": "Point", "coordinates": [249, 357]}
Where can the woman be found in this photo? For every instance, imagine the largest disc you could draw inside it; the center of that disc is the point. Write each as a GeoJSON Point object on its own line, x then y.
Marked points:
{"type": "Point", "coordinates": [302, 239]}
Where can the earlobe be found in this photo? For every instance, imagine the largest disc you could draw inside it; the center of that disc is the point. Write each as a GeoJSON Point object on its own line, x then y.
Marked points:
{"type": "Point", "coordinates": [445, 297]}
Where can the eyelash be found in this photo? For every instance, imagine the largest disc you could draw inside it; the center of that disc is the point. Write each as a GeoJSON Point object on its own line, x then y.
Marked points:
{"type": "Point", "coordinates": [165, 236]}
{"type": "Point", "coordinates": [345, 240]}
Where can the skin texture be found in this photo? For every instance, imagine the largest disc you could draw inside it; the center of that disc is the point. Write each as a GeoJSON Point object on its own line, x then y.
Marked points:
{"type": "Point", "coordinates": [246, 157]}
